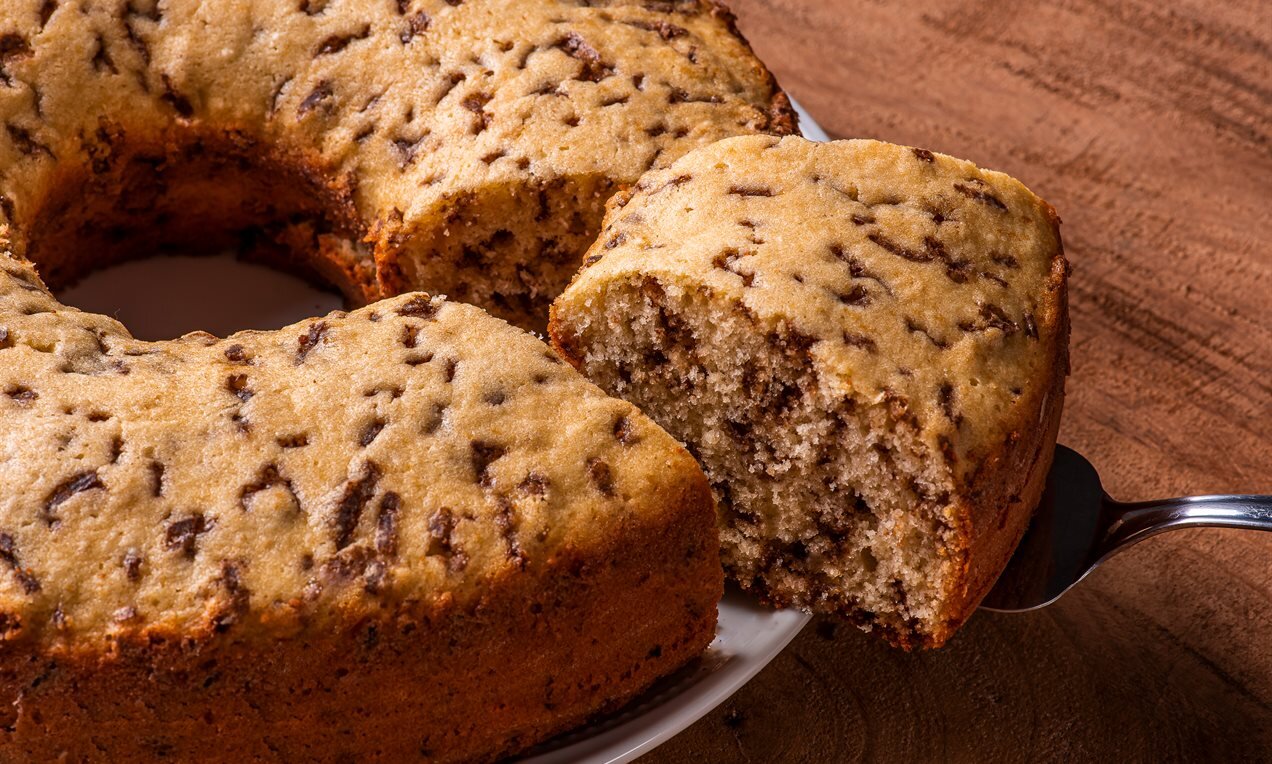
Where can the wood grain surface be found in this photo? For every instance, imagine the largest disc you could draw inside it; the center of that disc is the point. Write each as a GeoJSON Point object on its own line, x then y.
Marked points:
{"type": "Point", "coordinates": [1149, 126]}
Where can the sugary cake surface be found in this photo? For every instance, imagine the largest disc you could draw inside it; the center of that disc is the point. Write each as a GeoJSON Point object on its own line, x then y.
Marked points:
{"type": "Point", "coordinates": [911, 275]}
{"type": "Point", "coordinates": [466, 147]}
{"type": "Point", "coordinates": [409, 452]}
{"type": "Point", "coordinates": [790, 289]}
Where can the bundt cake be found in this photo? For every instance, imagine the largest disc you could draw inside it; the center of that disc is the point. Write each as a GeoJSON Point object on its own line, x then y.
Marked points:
{"type": "Point", "coordinates": [865, 346]}
{"type": "Point", "coordinates": [465, 148]}
{"type": "Point", "coordinates": [403, 532]}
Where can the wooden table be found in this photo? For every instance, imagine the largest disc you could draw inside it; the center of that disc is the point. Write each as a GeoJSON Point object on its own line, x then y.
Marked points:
{"type": "Point", "coordinates": [1149, 126]}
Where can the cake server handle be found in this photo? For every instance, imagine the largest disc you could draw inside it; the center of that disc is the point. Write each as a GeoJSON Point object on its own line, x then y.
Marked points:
{"type": "Point", "coordinates": [1131, 522]}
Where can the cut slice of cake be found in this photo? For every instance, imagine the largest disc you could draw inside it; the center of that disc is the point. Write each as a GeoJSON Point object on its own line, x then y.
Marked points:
{"type": "Point", "coordinates": [864, 344]}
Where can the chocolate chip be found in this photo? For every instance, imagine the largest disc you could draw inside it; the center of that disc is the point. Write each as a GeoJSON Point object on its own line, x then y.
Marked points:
{"type": "Point", "coordinates": [593, 68]}
{"type": "Point", "coordinates": [534, 484]}
{"type": "Point", "coordinates": [268, 477]}
{"type": "Point", "coordinates": [353, 500]}
{"type": "Point", "coordinates": [319, 95]}
{"type": "Point", "coordinates": [924, 155]}
{"type": "Point", "coordinates": [237, 385]}
{"type": "Point", "coordinates": [419, 306]}
{"type": "Point", "coordinates": [338, 42]}
{"type": "Point", "coordinates": [980, 196]}
{"type": "Point", "coordinates": [238, 355]}
{"type": "Point", "coordinates": [292, 441]}
{"type": "Point", "coordinates": [132, 565]}
{"type": "Point", "coordinates": [78, 483]}
{"type": "Point", "coordinates": [22, 394]}
{"type": "Point", "coordinates": [601, 476]}
{"type": "Point", "coordinates": [761, 191]}
{"type": "Point", "coordinates": [484, 454]}
{"type": "Point", "coordinates": [156, 478]}
{"type": "Point", "coordinates": [9, 554]}
{"type": "Point", "coordinates": [183, 535]}
{"type": "Point", "coordinates": [625, 432]}
{"type": "Point", "coordinates": [370, 431]}
{"type": "Point", "coordinates": [305, 343]}
{"type": "Point", "coordinates": [386, 532]}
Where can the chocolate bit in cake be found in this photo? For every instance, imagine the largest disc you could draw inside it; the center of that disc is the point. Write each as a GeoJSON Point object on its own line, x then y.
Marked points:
{"type": "Point", "coordinates": [268, 477]}
{"type": "Point", "coordinates": [416, 25]}
{"type": "Point", "coordinates": [856, 295]}
{"type": "Point", "coordinates": [78, 483]}
{"type": "Point", "coordinates": [441, 529]}
{"type": "Point", "coordinates": [171, 96]}
{"type": "Point", "coordinates": [299, 440]}
{"type": "Point", "coordinates": [476, 103]}
{"type": "Point", "coordinates": [435, 418]}
{"type": "Point", "coordinates": [156, 478]}
{"type": "Point", "coordinates": [9, 554]}
{"type": "Point", "coordinates": [924, 155]}
{"type": "Point", "coordinates": [306, 342]}
{"type": "Point", "coordinates": [534, 484]}
{"type": "Point", "coordinates": [183, 535]}
{"type": "Point", "coordinates": [483, 455]}
{"type": "Point", "coordinates": [22, 394]}
{"type": "Point", "coordinates": [410, 335]}
{"type": "Point", "coordinates": [236, 384]}
{"type": "Point", "coordinates": [991, 317]}
{"type": "Point", "coordinates": [321, 93]}
{"type": "Point", "coordinates": [418, 306]}
{"type": "Point", "coordinates": [854, 339]}
{"type": "Point", "coordinates": [599, 472]}
{"type": "Point", "coordinates": [625, 432]}
{"type": "Point", "coordinates": [237, 354]}
{"type": "Point", "coordinates": [46, 12]}
{"type": "Point", "coordinates": [761, 191]}
{"type": "Point", "coordinates": [26, 143]}
{"type": "Point", "coordinates": [980, 195]}
{"type": "Point", "coordinates": [239, 597]}
{"type": "Point", "coordinates": [357, 494]}
{"type": "Point", "coordinates": [593, 69]}
{"type": "Point", "coordinates": [338, 42]}
{"type": "Point", "coordinates": [506, 522]}
{"type": "Point", "coordinates": [900, 251]}
{"type": "Point", "coordinates": [945, 395]}
{"type": "Point", "coordinates": [386, 524]}
{"type": "Point", "coordinates": [370, 431]}
{"type": "Point", "coordinates": [914, 326]}
{"type": "Point", "coordinates": [132, 565]}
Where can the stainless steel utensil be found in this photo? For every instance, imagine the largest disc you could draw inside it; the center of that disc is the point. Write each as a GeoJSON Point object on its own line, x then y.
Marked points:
{"type": "Point", "coordinates": [1077, 527]}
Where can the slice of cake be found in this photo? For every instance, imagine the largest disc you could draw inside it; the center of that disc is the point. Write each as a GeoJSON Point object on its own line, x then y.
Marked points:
{"type": "Point", "coordinates": [406, 532]}
{"type": "Point", "coordinates": [864, 344]}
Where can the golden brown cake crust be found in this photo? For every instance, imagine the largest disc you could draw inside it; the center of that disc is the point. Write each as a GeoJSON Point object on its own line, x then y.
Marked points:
{"type": "Point", "coordinates": [329, 539]}
{"type": "Point", "coordinates": [440, 682]}
{"type": "Point", "coordinates": [923, 295]}
{"type": "Point", "coordinates": [469, 146]}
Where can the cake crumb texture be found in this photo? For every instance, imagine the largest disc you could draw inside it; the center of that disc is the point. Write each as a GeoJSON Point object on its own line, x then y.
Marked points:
{"type": "Point", "coordinates": [864, 344]}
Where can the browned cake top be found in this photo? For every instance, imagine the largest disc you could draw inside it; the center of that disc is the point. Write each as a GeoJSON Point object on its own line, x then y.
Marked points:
{"type": "Point", "coordinates": [912, 277]}
{"type": "Point", "coordinates": [406, 106]}
{"type": "Point", "coordinates": [406, 454]}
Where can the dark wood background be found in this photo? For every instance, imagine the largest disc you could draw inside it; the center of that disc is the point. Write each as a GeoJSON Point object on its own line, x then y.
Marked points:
{"type": "Point", "coordinates": [1148, 124]}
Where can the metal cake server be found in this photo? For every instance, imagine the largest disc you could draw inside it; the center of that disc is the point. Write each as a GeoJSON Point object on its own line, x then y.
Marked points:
{"type": "Point", "coordinates": [1077, 527]}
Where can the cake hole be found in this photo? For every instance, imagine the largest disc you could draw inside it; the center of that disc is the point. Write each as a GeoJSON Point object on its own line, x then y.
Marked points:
{"type": "Point", "coordinates": [175, 236]}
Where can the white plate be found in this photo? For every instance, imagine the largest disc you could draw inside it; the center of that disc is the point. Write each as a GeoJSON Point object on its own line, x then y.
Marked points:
{"type": "Point", "coordinates": [165, 297]}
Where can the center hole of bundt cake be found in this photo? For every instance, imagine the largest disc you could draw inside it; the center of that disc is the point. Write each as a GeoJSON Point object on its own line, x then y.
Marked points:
{"type": "Point", "coordinates": [193, 195]}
